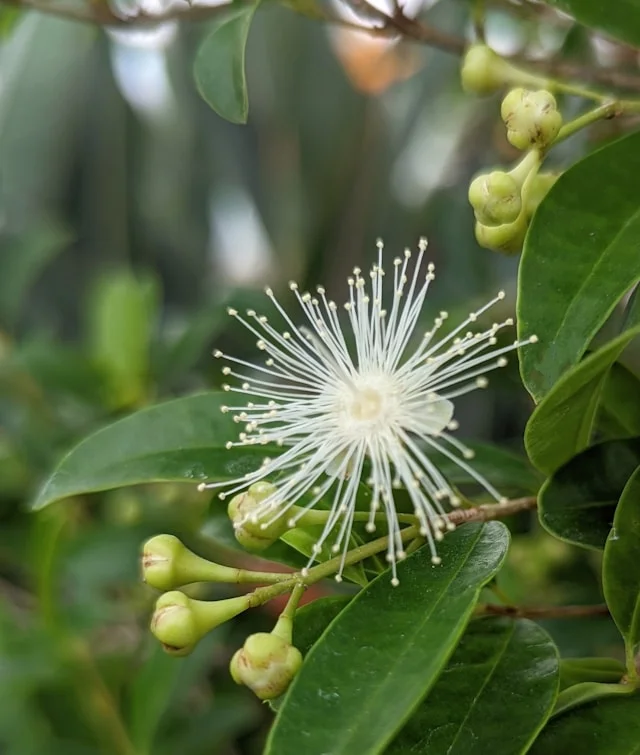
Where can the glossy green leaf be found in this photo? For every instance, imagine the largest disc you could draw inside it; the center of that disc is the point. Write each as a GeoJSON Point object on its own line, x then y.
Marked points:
{"type": "Point", "coordinates": [219, 66]}
{"type": "Point", "coordinates": [604, 727]}
{"type": "Point", "coordinates": [578, 502]}
{"type": "Point", "coordinates": [176, 441]}
{"type": "Point", "coordinates": [579, 259]}
{"type": "Point", "coordinates": [620, 19]}
{"type": "Point", "coordinates": [619, 411]}
{"type": "Point", "coordinates": [586, 692]}
{"type": "Point", "coordinates": [379, 658]}
{"type": "Point", "coordinates": [621, 566]}
{"type": "Point", "coordinates": [578, 670]}
{"type": "Point", "coordinates": [562, 424]}
{"type": "Point", "coordinates": [501, 670]}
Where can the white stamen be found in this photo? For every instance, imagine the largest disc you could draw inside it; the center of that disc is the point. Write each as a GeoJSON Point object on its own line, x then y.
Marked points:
{"type": "Point", "coordinates": [334, 407]}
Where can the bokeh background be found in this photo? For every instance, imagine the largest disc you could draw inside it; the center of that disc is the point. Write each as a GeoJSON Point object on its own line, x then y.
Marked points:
{"type": "Point", "coordinates": [130, 216]}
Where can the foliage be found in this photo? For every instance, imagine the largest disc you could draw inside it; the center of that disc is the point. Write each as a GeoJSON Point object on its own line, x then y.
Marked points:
{"type": "Point", "coordinates": [131, 215]}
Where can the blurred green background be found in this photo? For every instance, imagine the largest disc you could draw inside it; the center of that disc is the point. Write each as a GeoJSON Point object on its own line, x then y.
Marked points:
{"type": "Point", "coordinates": [130, 215]}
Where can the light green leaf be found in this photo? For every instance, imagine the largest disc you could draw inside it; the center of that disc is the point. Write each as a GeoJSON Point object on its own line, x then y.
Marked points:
{"type": "Point", "coordinates": [176, 441]}
{"type": "Point", "coordinates": [578, 502]}
{"type": "Point", "coordinates": [603, 727]}
{"type": "Point", "coordinates": [586, 692]}
{"type": "Point", "coordinates": [122, 314]}
{"type": "Point", "coordinates": [562, 423]}
{"type": "Point", "coordinates": [577, 670]}
{"type": "Point", "coordinates": [621, 567]}
{"type": "Point", "coordinates": [620, 18]}
{"type": "Point", "coordinates": [580, 258]}
{"type": "Point", "coordinates": [219, 67]}
{"type": "Point", "coordinates": [378, 659]}
{"type": "Point", "coordinates": [501, 670]}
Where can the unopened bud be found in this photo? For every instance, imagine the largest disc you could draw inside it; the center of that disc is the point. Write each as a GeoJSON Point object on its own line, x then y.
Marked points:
{"type": "Point", "coordinates": [180, 622]}
{"type": "Point", "coordinates": [257, 525]}
{"type": "Point", "coordinates": [495, 198]}
{"type": "Point", "coordinates": [267, 663]}
{"type": "Point", "coordinates": [507, 238]}
{"type": "Point", "coordinates": [483, 71]}
{"type": "Point", "coordinates": [532, 118]}
{"type": "Point", "coordinates": [167, 564]}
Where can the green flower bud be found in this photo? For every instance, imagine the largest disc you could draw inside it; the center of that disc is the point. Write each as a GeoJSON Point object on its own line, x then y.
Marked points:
{"type": "Point", "coordinates": [538, 190]}
{"type": "Point", "coordinates": [167, 564]}
{"type": "Point", "coordinates": [507, 238]}
{"type": "Point", "coordinates": [483, 71]}
{"type": "Point", "coordinates": [495, 198]}
{"type": "Point", "coordinates": [180, 622]}
{"type": "Point", "coordinates": [256, 528]}
{"type": "Point", "coordinates": [266, 664]}
{"type": "Point", "coordinates": [532, 118]}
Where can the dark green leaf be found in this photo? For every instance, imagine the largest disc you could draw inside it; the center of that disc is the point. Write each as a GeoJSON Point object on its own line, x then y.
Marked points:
{"type": "Point", "coordinates": [580, 257]}
{"type": "Point", "coordinates": [501, 670]}
{"type": "Point", "coordinates": [378, 659]}
{"type": "Point", "coordinates": [578, 670]}
{"type": "Point", "coordinates": [604, 727]}
{"type": "Point", "coordinates": [621, 566]}
{"type": "Point", "coordinates": [620, 19]}
{"type": "Point", "coordinates": [586, 692]}
{"type": "Point", "coordinates": [619, 413]}
{"type": "Point", "coordinates": [219, 66]}
{"type": "Point", "coordinates": [562, 423]}
{"type": "Point", "coordinates": [578, 502]}
{"type": "Point", "coordinates": [312, 620]}
{"type": "Point", "coordinates": [176, 441]}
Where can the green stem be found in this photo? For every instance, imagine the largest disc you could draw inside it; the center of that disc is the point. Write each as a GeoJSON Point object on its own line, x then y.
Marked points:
{"type": "Point", "coordinates": [611, 109]}
{"type": "Point", "coordinates": [317, 516]}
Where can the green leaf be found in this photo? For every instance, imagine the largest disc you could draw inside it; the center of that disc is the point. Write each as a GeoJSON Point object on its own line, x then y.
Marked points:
{"type": "Point", "coordinates": [577, 670]}
{"type": "Point", "coordinates": [579, 259]}
{"type": "Point", "coordinates": [586, 692]}
{"type": "Point", "coordinates": [619, 411]}
{"type": "Point", "coordinates": [620, 19]}
{"type": "Point", "coordinates": [562, 423]}
{"type": "Point", "coordinates": [578, 502]}
{"type": "Point", "coordinates": [176, 441]}
{"type": "Point", "coordinates": [603, 727]}
{"type": "Point", "coordinates": [122, 314]}
{"type": "Point", "coordinates": [378, 659]}
{"type": "Point", "coordinates": [219, 67]}
{"type": "Point", "coordinates": [501, 670]}
{"type": "Point", "coordinates": [621, 567]}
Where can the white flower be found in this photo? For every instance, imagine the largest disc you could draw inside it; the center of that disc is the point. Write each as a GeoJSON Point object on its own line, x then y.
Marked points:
{"type": "Point", "coordinates": [338, 400]}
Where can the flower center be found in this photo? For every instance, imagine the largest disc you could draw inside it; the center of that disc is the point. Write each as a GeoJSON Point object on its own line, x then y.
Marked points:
{"type": "Point", "coordinates": [366, 405]}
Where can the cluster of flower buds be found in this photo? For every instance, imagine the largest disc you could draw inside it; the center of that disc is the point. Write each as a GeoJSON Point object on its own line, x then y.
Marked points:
{"type": "Point", "coordinates": [268, 662]}
{"type": "Point", "coordinates": [504, 202]}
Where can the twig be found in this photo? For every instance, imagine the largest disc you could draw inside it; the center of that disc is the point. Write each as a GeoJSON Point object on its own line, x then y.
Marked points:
{"type": "Point", "coordinates": [542, 612]}
{"type": "Point", "coordinates": [488, 511]}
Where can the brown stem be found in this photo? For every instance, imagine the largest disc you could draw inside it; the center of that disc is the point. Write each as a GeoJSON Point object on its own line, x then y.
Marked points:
{"type": "Point", "coordinates": [542, 612]}
{"type": "Point", "coordinates": [488, 511]}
